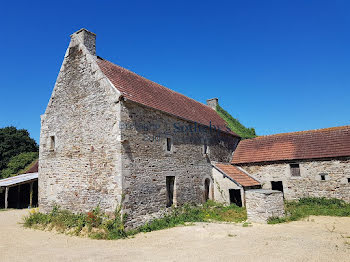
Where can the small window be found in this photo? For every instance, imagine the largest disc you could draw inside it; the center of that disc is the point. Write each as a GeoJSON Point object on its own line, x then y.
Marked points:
{"type": "Point", "coordinates": [52, 143]}
{"type": "Point", "coordinates": [324, 176]}
{"type": "Point", "coordinates": [168, 144]}
{"type": "Point", "coordinates": [348, 179]}
{"type": "Point", "coordinates": [205, 148]}
{"type": "Point", "coordinates": [295, 169]}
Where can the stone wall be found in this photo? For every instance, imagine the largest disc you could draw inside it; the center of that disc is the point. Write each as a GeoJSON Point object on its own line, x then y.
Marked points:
{"type": "Point", "coordinates": [146, 161]}
{"type": "Point", "coordinates": [222, 185]}
{"type": "Point", "coordinates": [309, 183]}
{"type": "Point", "coordinates": [107, 149]}
{"type": "Point", "coordinates": [262, 204]}
{"type": "Point", "coordinates": [82, 169]}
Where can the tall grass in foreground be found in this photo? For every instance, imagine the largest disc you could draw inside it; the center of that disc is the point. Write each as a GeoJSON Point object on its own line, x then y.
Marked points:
{"type": "Point", "coordinates": [305, 207]}
{"type": "Point", "coordinates": [98, 225]}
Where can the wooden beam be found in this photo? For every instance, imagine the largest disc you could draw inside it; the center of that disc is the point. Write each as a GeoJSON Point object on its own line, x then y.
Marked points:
{"type": "Point", "coordinates": [31, 195]}
{"type": "Point", "coordinates": [6, 196]}
{"type": "Point", "coordinates": [19, 196]}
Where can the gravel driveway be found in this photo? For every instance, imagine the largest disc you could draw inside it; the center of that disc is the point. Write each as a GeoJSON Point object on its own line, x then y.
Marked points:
{"type": "Point", "coordinates": [315, 239]}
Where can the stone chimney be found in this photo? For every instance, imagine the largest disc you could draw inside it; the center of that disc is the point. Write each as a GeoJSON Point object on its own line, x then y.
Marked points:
{"type": "Point", "coordinates": [213, 103]}
{"type": "Point", "coordinates": [87, 38]}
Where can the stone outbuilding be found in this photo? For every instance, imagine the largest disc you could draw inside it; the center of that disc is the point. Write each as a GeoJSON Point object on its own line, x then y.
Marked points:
{"type": "Point", "coordinates": [230, 184]}
{"type": "Point", "coordinates": [313, 163]}
{"type": "Point", "coordinates": [111, 137]}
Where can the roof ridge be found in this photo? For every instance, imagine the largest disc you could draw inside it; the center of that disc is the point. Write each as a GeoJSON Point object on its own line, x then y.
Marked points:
{"type": "Point", "coordinates": [301, 132]}
{"type": "Point", "coordinates": [128, 70]}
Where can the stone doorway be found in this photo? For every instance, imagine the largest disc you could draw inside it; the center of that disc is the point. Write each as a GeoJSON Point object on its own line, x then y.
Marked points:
{"type": "Point", "coordinates": [235, 197]}
{"type": "Point", "coordinates": [206, 189]}
{"type": "Point", "coordinates": [170, 181]}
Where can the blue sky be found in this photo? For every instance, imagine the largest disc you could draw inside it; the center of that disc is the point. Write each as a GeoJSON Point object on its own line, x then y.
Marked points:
{"type": "Point", "coordinates": [277, 66]}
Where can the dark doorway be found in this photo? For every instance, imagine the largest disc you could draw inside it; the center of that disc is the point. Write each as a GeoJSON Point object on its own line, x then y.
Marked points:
{"type": "Point", "coordinates": [206, 189]}
{"type": "Point", "coordinates": [277, 185]}
{"type": "Point", "coordinates": [235, 197]}
{"type": "Point", "coordinates": [170, 181]}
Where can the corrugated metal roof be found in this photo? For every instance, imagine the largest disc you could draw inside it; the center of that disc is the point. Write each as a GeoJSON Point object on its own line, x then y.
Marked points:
{"type": "Point", "coordinates": [11, 181]}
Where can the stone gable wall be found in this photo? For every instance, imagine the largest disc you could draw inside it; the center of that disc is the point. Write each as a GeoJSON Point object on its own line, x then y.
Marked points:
{"type": "Point", "coordinates": [83, 171]}
{"type": "Point", "coordinates": [146, 162]}
{"type": "Point", "coordinates": [309, 184]}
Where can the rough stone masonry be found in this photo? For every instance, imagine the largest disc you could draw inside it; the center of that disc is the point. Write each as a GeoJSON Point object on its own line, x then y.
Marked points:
{"type": "Point", "coordinates": [263, 204]}
{"type": "Point", "coordinates": [98, 146]}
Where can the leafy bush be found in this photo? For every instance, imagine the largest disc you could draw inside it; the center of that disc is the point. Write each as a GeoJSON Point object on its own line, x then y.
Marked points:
{"type": "Point", "coordinates": [14, 141]}
{"type": "Point", "coordinates": [101, 226]}
{"type": "Point", "coordinates": [235, 125]}
{"type": "Point", "coordinates": [305, 207]}
{"type": "Point", "coordinates": [18, 163]}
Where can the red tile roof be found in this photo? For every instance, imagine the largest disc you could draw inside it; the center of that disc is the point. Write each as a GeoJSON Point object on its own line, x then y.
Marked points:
{"type": "Point", "coordinates": [321, 143]}
{"type": "Point", "coordinates": [237, 175]}
{"type": "Point", "coordinates": [145, 92]}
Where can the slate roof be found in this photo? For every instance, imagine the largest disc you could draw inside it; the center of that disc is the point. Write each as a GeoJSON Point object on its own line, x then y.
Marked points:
{"type": "Point", "coordinates": [145, 92]}
{"type": "Point", "coordinates": [237, 175]}
{"type": "Point", "coordinates": [312, 144]}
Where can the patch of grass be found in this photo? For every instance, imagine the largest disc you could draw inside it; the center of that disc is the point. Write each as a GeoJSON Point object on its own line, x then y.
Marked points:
{"type": "Point", "coordinates": [276, 220]}
{"type": "Point", "coordinates": [210, 211]}
{"type": "Point", "coordinates": [305, 207]}
{"type": "Point", "coordinates": [101, 226]}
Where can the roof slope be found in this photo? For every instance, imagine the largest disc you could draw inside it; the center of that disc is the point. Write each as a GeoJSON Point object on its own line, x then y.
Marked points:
{"type": "Point", "coordinates": [15, 180]}
{"type": "Point", "coordinates": [237, 175]}
{"type": "Point", "coordinates": [34, 167]}
{"type": "Point", "coordinates": [321, 143]}
{"type": "Point", "coordinates": [140, 90]}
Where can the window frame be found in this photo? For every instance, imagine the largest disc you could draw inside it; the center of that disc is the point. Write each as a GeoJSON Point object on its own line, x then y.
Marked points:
{"type": "Point", "coordinates": [292, 168]}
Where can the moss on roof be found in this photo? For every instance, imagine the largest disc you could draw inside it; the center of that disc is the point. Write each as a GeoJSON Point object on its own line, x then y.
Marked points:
{"type": "Point", "coordinates": [235, 125]}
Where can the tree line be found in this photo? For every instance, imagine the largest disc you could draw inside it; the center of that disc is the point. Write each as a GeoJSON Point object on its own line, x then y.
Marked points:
{"type": "Point", "coordinates": [17, 151]}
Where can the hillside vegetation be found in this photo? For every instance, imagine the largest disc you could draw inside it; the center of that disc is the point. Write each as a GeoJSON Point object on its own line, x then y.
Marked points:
{"type": "Point", "coordinates": [17, 151]}
{"type": "Point", "coordinates": [19, 164]}
{"type": "Point", "coordinates": [235, 125]}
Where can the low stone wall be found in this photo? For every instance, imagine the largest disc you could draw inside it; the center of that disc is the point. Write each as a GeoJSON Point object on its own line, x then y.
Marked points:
{"type": "Point", "coordinates": [262, 204]}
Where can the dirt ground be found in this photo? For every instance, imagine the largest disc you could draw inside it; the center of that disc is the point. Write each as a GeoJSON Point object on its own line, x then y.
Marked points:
{"type": "Point", "coordinates": [315, 239]}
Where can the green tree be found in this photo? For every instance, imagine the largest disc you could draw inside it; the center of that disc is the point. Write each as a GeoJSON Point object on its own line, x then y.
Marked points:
{"type": "Point", "coordinates": [14, 141]}
{"type": "Point", "coordinates": [19, 163]}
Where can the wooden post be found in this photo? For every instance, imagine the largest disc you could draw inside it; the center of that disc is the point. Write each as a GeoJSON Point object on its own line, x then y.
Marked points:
{"type": "Point", "coordinates": [19, 196]}
{"type": "Point", "coordinates": [31, 195]}
{"type": "Point", "coordinates": [6, 195]}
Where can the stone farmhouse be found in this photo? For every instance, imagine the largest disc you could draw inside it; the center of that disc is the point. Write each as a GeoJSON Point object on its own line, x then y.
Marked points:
{"type": "Point", "coordinates": [110, 137]}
